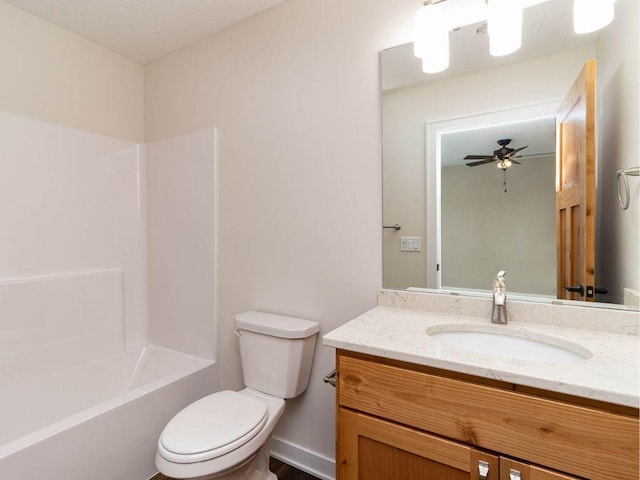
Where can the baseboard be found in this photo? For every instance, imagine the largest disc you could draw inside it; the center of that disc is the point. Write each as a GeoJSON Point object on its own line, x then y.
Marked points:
{"type": "Point", "coordinates": [303, 459]}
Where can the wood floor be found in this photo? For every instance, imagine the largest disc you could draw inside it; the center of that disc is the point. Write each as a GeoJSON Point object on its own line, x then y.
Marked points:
{"type": "Point", "coordinates": [287, 472]}
{"type": "Point", "coordinates": [282, 470]}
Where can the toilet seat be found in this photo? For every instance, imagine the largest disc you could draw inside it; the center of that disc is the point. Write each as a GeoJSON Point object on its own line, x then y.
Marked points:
{"type": "Point", "coordinates": [211, 427]}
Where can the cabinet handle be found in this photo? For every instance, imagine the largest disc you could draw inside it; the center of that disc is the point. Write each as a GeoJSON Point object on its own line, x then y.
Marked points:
{"type": "Point", "coordinates": [483, 469]}
{"type": "Point", "coordinates": [514, 474]}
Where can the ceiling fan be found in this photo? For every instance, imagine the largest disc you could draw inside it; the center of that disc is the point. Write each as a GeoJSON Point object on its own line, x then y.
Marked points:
{"type": "Point", "coordinates": [504, 156]}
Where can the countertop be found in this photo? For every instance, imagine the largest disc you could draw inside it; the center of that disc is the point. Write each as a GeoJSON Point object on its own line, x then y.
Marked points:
{"type": "Point", "coordinates": [611, 374]}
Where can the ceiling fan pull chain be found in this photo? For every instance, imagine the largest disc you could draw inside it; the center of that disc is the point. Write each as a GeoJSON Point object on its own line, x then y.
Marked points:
{"type": "Point", "coordinates": [504, 179]}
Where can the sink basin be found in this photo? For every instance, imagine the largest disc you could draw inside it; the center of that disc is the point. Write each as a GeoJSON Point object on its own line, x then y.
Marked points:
{"type": "Point", "coordinates": [507, 342]}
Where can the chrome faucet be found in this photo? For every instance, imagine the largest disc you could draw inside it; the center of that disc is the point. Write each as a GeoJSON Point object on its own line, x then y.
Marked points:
{"type": "Point", "coordinates": [499, 310]}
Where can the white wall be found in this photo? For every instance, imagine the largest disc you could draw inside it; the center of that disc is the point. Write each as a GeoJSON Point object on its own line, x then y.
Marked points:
{"type": "Point", "coordinates": [491, 230]}
{"type": "Point", "coordinates": [405, 115]}
{"type": "Point", "coordinates": [294, 96]}
{"type": "Point", "coordinates": [51, 74]}
{"type": "Point", "coordinates": [618, 124]}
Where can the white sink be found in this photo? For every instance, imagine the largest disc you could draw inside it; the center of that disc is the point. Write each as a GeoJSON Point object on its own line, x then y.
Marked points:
{"type": "Point", "coordinates": [508, 342]}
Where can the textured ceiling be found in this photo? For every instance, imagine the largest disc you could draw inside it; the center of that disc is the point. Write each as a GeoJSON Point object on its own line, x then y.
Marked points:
{"type": "Point", "coordinates": [144, 30]}
{"type": "Point", "coordinates": [538, 135]}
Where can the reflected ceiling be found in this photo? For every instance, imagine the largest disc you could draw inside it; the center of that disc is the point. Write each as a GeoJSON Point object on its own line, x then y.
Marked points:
{"type": "Point", "coordinates": [539, 135]}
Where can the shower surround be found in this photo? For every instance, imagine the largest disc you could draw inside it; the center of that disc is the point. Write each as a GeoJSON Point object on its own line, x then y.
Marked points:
{"type": "Point", "coordinates": [81, 381]}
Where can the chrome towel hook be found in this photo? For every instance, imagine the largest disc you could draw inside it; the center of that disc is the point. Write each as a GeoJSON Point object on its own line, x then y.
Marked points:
{"type": "Point", "coordinates": [630, 172]}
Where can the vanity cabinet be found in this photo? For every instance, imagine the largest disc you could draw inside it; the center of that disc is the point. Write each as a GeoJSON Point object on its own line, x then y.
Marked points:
{"type": "Point", "coordinates": [401, 421]}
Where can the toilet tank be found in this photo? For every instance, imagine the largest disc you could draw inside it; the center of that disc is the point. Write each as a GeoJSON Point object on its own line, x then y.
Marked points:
{"type": "Point", "coordinates": [276, 352]}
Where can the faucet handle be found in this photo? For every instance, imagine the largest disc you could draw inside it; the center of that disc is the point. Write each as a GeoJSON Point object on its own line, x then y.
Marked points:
{"type": "Point", "coordinates": [499, 288]}
{"type": "Point", "coordinates": [499, 299]}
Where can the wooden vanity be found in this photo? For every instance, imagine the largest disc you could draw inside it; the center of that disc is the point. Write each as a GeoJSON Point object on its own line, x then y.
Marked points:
{"type": "Point", "coordinates": [398, 420]}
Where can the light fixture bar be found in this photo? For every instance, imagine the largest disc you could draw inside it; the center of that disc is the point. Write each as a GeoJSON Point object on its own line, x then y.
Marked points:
{"type": "Point", "coordinates": [436, 18]}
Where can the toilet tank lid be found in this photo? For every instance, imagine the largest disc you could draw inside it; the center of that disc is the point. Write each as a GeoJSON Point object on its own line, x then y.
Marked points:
{"type": "Point", "coordinates": [276, 325]}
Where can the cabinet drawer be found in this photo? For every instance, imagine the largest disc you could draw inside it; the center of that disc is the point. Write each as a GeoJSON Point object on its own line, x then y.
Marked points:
{"type": "Point", "coordinates": [575, 439]}
{"type": "Point", "coordinates": [528, 472]}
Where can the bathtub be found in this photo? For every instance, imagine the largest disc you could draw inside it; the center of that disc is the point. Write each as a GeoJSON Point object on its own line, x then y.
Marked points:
{"type": "Point", "coordinates": [98, 418]}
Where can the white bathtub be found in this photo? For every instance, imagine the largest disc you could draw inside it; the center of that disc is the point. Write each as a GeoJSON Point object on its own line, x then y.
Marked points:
{"type": "Point", "coordinates": [97, 419]}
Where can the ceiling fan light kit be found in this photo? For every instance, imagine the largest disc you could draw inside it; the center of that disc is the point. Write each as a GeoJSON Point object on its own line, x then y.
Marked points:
{"type": "Point", "coordinates": [504, 156]}
{"type": "Point", "coordinates": [436, 18]}
{"type": "Point", "coordinates": [504, 164]}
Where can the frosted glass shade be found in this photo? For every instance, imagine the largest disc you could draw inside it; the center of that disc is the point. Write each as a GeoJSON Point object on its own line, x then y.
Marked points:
{"type": "Point", "coordinates": [592, 15]}
{"type": "Point", "coordinates": [504, 26]}
{"type": "Point", "coordinates": [431, 38]}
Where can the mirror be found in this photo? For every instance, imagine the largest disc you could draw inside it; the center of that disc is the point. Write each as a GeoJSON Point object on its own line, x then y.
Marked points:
{"type": "Point", "coordinates": [458, 225]}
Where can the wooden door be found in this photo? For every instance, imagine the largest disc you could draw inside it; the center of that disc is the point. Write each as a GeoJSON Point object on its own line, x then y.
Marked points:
{"type": "Point", "coordinates": [512, 470]}
{"type": "Point", "coordinates": [373, 449]}
{"type": "Point", "coordinates": [575, 189]}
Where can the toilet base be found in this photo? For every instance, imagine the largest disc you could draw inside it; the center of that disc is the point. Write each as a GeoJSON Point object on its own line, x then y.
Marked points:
{"type": "Point", "coordinates": [255, 468]}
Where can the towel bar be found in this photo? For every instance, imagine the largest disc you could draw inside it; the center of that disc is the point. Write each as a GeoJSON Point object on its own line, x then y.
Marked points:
{"type": "Point", "coordinates": [630, 172]}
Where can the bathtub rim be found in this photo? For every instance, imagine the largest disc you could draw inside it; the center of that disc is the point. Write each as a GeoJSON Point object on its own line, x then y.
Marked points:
{"type": "Point", "coordinates": [87, 414]}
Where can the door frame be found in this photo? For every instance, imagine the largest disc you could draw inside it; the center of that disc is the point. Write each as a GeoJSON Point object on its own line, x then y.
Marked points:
{"type": "Point", "coordinates": [434, 132]}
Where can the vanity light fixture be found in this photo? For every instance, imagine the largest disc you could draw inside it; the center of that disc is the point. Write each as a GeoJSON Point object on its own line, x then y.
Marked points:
{"type": "Point", "coordinates": [592, 15]}
{"type": "Point", "coordinates": [431, 36]}
{"type": "Point", "coordinates": [436, 18]}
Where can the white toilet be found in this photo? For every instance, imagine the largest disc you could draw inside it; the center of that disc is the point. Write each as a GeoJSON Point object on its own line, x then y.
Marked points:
{"type": "Point", "coordinates": [225, 435]}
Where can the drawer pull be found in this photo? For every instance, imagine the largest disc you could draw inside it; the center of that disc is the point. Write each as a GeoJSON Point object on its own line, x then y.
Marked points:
{"type": "Point", "coordinates": [483, 469]}
{"type": "Point", "coordinates": [514, 474]}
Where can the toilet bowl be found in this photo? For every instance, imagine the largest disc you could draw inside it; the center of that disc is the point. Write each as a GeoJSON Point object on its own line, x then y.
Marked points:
{"type": "Point", "coordinates": [244, 421]}
{"type": "Point", "coordinates": [225, 435]}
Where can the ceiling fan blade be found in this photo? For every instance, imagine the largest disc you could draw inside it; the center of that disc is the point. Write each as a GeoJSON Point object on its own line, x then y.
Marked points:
{"type": "Point", "coordinates": [481, 162]}
{"type": "Point", "coordinates": [511, 154]}
{"type": "Point", "coordinates": [537, 155]}
{"type": "Point", "coordinates": [516, 162]}
{"type": "Point", "coordinates": [478, 157]}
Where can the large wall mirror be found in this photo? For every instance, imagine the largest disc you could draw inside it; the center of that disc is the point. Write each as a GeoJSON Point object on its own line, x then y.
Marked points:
{"type": "Point", "coordinates": [456, 225]}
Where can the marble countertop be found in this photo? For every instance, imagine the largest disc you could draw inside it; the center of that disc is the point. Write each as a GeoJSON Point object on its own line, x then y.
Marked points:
{"type": "Point", "coordinates": [611, 374]}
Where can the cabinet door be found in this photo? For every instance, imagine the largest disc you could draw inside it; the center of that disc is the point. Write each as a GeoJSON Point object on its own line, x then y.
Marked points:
{"type": "Point", "coordinates": [512, 470]}
{"type": "Point", "coordinates": [374, 449]}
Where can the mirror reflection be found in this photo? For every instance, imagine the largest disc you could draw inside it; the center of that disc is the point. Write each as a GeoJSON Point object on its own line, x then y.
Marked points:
{"type": "Point", "coordinates": [458, 224]}
{"type": "Point", "coordinates": [484, 203]}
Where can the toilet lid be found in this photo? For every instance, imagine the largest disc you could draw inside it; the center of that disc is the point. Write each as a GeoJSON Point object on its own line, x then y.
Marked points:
{"type": "Point", "coordinates": [217, 424]}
